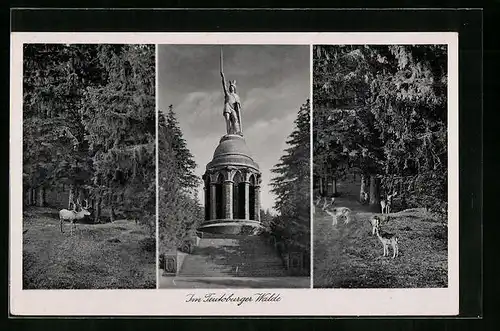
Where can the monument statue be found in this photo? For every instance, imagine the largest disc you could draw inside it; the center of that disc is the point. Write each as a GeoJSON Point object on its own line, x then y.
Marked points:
{"type": "Point", "coordinates": [232, 104]}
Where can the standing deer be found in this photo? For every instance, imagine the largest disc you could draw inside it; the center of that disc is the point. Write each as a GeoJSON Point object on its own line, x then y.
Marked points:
{"type": "Point", "coordinates": [386, 203]}
{"type": "Point", "coordinates": [386, 239]}
{"type": "Point", "coordinates": [72, 215]}
{"type": "Point", "coordinates": [336, 212]}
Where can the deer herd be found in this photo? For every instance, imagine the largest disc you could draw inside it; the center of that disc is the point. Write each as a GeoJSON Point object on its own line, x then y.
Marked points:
{"type": "Point", "coordinates": [387, 239]}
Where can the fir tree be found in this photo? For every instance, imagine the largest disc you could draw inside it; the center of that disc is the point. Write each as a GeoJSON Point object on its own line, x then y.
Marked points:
{"type": "Point", "coordinates": [291, 185]}
{"type": "Point", "coordinates": [183, 155]}
{"type": "Point", "coordinates": [179, 210]}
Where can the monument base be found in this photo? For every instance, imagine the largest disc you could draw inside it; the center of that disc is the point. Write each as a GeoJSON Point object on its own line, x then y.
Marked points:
{"type": "Point", "coordinates": [232, 226]}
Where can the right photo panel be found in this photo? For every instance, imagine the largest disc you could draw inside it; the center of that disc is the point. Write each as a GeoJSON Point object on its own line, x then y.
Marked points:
{"type": "Point", "coordinates": [380, 166]}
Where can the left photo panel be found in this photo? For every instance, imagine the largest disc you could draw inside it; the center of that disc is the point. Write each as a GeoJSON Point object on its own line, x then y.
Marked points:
{"type": "Point", "coordinates": [89, 166]}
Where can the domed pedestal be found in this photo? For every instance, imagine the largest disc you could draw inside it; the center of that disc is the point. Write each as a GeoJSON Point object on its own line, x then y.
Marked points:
{"type": "Point", "coordinates": [232, 190]}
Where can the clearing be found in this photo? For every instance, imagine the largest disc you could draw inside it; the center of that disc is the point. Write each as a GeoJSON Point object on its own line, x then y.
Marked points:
{"type": "Point", "coordinates": [349, 256]}
{"type": "Point", "coordinates": [115, 255]}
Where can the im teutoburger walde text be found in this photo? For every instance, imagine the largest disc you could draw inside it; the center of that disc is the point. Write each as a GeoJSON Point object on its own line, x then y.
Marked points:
{"type": "Point", "coordinates": [239, 300]}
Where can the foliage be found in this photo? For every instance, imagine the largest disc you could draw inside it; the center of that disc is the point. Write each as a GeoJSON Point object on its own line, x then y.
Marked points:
{"type": "Point", "coordinates": [119, 118]}
{"type": "Point", "coordinates": [54, 146]}
{"type": "Point", "coordinates": [179, 210]}
{"type": "Point", "coordinates": [381, 111]}
{"type": "Point", "coordinates": [291, 185]}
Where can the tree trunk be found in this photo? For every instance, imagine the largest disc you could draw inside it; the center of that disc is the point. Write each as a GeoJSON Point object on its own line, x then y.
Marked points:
{"type": "Point", "coordinates": [112, 215]}
{"type": "Point", "coordinates": [41, 196]}
{"type": "Point", "coordinates": [364, 188]}
{"type": "Point", "coordinates": [321, 185]}
{"type": "Point", "coordinates": [28, 197]}
{"type": "Point", "coordinates": [80, 196]}
{"type": "Point", "coordinates": [97, 210]}
{"type": "Point", "coordinates": [71, 197]}
{"type": "Point", "coordinates": [374, 190]}
{"type": "Point", "coordinates": [33, 196]}
{"type": "Point", "coordinates": [334, 187]}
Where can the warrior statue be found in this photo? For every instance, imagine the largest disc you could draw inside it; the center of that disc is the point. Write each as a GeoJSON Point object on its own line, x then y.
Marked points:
{"type": "Point", "coordinates": [232, 105]}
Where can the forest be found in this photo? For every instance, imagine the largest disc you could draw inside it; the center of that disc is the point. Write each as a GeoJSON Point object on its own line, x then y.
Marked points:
{"type": "Point", "coordinates": [88, 138]}
{"type": "Point", "coordinates": [89, 126]}
{"type": "Point", "coordinates": [380, 131]}
{"type": "Point", "coordinates": [380, 115]}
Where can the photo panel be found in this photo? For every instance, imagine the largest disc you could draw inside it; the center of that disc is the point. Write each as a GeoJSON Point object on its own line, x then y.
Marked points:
{"type": "Point", "coordinates": [380, 145]}
{"type": "Point", "coordinates": [234, 163]}
{"type": "Point", "coordinates": [88, 166]}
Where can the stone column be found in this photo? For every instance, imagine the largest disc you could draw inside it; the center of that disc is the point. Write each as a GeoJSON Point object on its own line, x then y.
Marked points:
{"type": "Point", "coordinates": [213, 201]}
{"type": "Point", "coordinates": [247, 200]}
{"type": "Point", "coordinates": [228, 199]}
{"type": "Point", "coordinates": [257, 203]}
{"type": "Point", "coordinates": [206, 202]}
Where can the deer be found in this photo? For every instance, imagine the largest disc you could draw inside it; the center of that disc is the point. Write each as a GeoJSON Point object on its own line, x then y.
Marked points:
{"type": "Point", "coordinates": [386, 203]}
{"type": "Point", "coordinates": [377, 220]}
{"type": "Point", "coordinates": [72, 215]}
{"type": "Point", "coordinates": [336, 212]}
{"type": "Point", "coordinates": [325, 203]}
{"type": "Point", "coordinates": [385, 238]}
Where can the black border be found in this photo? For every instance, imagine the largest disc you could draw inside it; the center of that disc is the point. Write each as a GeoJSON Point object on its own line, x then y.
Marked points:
{"type": "Point", "coordinates": [468, 23]}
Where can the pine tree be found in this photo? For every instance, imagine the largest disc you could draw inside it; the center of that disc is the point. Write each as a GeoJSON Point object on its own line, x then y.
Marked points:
{"type": "Point", "coordinates": [183, 155]}
{"type": "Point", "coordinates": [179, 210]}
{"type": "Point", "coordinates": [291, 185]}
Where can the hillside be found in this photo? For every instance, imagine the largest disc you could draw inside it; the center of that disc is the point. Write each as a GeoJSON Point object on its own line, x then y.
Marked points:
{"type": "Point", "coordinates": [348, 256]}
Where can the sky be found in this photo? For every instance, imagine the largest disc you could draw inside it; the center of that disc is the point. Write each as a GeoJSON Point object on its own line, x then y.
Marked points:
{"type": "Point", "coordinates": [272, 82]}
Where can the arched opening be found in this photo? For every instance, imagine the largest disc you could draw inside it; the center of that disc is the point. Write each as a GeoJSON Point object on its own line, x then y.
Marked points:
{"type": "Point", "coordinates": [238, 196]}
{"type": "Point", "coordinates": [219, 196]}
{"type": "Point", "coordinates": [251, 197]}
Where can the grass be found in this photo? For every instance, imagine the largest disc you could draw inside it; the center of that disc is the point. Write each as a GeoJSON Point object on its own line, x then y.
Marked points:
{"type": "Point", "coordinates": [116, 255]}
{"type": "Point", "coordinates": [349, 256]}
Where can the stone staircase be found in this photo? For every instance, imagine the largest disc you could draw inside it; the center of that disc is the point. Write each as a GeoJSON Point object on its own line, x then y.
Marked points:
{"type": "Point", "coordinates": [233, 256]}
